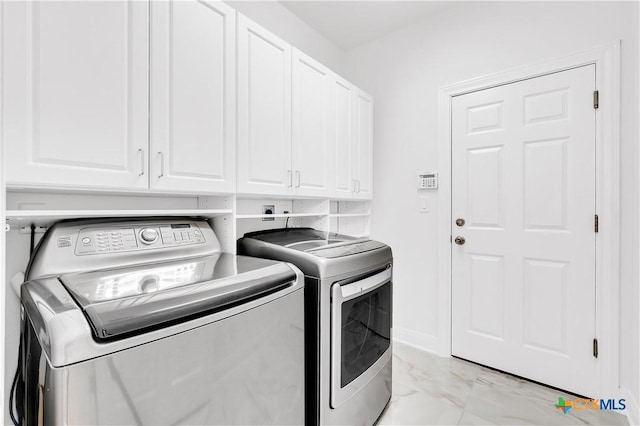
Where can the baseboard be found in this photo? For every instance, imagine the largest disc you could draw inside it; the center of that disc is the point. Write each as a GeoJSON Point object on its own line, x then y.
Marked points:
{"type": "Point", "coordinates": [633, 409]}
{"type": "Point", "coordinates": [423, 341]}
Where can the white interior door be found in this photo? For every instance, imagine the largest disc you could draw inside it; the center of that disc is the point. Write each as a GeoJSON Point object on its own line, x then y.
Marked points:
{"type": "Point", "coordinates": [523, 282]}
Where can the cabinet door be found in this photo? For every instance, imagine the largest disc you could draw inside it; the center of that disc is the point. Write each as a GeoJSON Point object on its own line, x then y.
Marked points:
{"type": "Point", "coordinates": [363, 145]}
{"type": "Point", "coordinates": [192, 96]}
{"type": "Point", "coordinates": [75, 80]}
{"type": "Point", "coordinates": [342, 137]}
{"type": "Point", "coordinates": [264, 111]}
{"type": "Point", "coordinates": [311, 110]}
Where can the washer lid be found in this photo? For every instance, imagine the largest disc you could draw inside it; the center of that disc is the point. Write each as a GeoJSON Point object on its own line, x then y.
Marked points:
{"type": "Point", "coordinates": [342, 250]}
{"type": "Point", "coordinates": [121, 302]}
{"type": "Point", "coordinates": [287, 236]}
{"type": "Point", "coordinates": [302, 239]}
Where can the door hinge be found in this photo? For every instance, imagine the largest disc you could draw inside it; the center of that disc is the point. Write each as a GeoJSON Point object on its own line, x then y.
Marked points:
{"type": "Point", "coordinates": [595, 223]}
{"type": "Point", "coordinates": [596, 99]}
{"type": "Point", "coordinates": [595, 348]}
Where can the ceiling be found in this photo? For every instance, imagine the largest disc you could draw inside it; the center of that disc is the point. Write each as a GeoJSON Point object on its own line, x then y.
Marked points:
{"type": "Point", "coordinates": [349, 24]}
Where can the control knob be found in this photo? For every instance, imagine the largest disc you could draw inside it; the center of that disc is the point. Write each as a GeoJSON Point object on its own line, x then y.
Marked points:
{"type": "Point", "coordinates": [149, 236]}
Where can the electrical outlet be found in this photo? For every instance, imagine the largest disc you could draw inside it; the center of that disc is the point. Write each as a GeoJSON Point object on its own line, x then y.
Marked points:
{"type": "Point", "coordinates": [268, 209]}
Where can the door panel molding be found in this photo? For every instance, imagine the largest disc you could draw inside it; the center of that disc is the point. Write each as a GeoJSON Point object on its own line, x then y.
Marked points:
{"type": "Point", "coordinates": [606, 58]}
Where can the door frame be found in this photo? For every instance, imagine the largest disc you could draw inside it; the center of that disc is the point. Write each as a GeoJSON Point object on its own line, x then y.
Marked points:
{"type": "Point", "coordinates": [606, 58]}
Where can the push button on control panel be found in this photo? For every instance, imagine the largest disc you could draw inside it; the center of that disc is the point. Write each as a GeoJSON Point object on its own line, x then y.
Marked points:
{"type": "Point", "coordinates": [149, 236]}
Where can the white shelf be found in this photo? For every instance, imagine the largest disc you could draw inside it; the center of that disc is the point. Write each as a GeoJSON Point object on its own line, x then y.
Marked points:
{"type": "Point", "coordinates": [48, 217]}
{"type": "Point", "coordinates": [279, 215]}
{"type": "Point", "coordinates": [348, 214]}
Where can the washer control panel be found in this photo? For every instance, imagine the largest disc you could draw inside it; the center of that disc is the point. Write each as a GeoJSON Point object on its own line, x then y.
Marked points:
{"type": "Point", "coordinates": [117, 239]}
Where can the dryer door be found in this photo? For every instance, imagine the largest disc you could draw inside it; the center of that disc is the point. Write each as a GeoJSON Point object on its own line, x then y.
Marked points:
{"type": "Point", "coordinates": [360, 333]}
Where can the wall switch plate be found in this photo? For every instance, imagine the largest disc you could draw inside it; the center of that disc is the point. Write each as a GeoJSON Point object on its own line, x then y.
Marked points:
{"type": "Point", "coordinates": [268, 209]}
{"type": "Point", "coordinates": [423, 206]}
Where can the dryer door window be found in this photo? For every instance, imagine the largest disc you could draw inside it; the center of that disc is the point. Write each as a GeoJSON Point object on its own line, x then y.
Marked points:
{"type": "Point", "coordinates": [366, 329]}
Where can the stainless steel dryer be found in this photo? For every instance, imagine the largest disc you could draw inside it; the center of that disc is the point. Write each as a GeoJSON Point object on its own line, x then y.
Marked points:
{"type": "Point", "coordinates": [348, 291]}
{"type": "Point", "coordinates": [147, 322]}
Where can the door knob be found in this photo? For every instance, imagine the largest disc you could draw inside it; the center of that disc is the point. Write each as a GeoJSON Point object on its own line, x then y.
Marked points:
{"type": "Point", "coordinates": [460, 241]}
{"type": "Point", "coordinates": [460, 222]}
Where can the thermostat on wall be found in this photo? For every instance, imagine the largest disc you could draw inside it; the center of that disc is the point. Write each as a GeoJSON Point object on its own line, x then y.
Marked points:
{"type": "Point", "coordinates": [428, 180]}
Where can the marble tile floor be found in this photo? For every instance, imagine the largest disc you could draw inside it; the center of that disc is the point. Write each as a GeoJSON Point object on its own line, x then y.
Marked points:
{"type": "Point", "coordinates": [432, 390]}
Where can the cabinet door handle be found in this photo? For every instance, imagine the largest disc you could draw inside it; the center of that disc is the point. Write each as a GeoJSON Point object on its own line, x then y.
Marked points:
{"type": "Point", "coordinates": [298, 178]}
{"type": "Point", "coordinates": [141, 152]}
{"type": "Point", "coordinates": [161, 175]}
{"type": "Point", "coordinates": [354, 185]}
{"type": "Point", "coordinates": [290, 177]}
{"type": "Point", "coordinates": [358, 180]}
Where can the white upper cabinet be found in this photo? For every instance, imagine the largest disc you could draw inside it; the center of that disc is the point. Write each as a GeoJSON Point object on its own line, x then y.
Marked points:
{"type": "Point", "coordinates": [286, 118]}
{"type": "Point", "coordinates": [363, 147]}
{"type": "Point", "coordinates": [179, 96]}
{"type": "Point", "coordinates": [264, 111]}
{"type": "Point", "coordinates": [311, 147]}
{"type": "Point", "coordinates": [77, 104]}
{"type": "Point", "coordinates": [192, 113]}
{"type": "Point", "coordinates": [352, 137]}
{"type": "Point", "coordinates": [342, 137]}
{"type": "Point", "coordinates": [75, 101]}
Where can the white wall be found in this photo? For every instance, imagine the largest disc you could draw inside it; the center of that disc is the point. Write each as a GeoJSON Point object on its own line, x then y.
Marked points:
{"type": "Point", "coordinates": [403, 72]}
{"type": "Point", "coordinates": [280, 21]}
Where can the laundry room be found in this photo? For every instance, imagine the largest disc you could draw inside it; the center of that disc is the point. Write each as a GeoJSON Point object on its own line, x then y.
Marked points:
{"type": "Point", "coordinates": [320, 212]}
